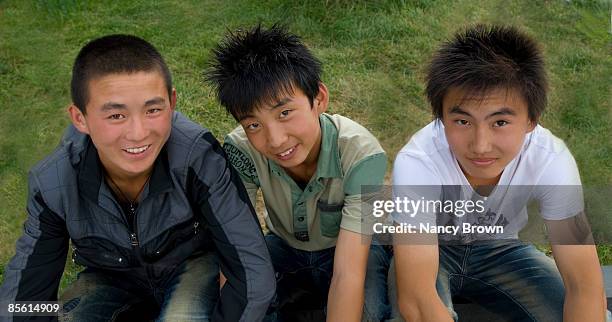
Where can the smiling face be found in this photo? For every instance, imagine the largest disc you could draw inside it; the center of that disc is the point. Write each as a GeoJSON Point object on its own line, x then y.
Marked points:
{"type": "Point", "coordinates": [485, 132]}
{"type": "Point", "coordinates": [288, 131]}
{"type": "Point", "coordinates": [128, 118]}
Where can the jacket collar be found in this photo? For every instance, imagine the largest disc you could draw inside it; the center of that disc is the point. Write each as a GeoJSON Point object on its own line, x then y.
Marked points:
{"type": "Point", "coordinates": [91, 175]}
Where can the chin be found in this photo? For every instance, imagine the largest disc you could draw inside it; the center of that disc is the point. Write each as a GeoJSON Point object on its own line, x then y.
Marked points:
{"type": "Point", "coordinates": [138, 170]}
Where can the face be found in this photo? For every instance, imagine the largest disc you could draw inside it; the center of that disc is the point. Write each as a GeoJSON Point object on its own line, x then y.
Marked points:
{"type": "Point", "coordinates": [288, 131]}
{"type": "Point", "coordinates": [128, 118]}
{"type": "Point", "coordinates": [485, 132]}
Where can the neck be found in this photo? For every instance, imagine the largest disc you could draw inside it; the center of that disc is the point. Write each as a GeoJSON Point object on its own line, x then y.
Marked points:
{"type": "Point", "coordinates": [303, 173]}
{"type": "Point", "coordinates": [129, 187]}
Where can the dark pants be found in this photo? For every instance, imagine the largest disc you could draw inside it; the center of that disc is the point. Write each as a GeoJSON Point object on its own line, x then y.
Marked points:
{"type": "Point", "coordinates": [303, 281]}
{"type": "Point", "coordinates": [191, 294]}
{"type": "Point", "coordinates": [510, 278]}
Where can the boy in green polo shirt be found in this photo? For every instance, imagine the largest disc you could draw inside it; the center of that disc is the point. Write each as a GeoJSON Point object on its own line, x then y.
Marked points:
{"type": "Point", "coordinates": [310, 167]}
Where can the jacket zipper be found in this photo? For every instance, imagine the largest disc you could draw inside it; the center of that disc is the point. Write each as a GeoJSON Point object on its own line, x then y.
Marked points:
{"type": "Point", "coordinates": [136, 245]}
{"type": "Point", "coordinates": [133, 236]}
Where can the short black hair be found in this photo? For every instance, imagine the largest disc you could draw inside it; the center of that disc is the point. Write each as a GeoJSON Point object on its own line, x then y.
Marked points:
{"type": "Point", "coordinates": [255, 67]}
{"type": "Point", "coordinates": [114, 54]}
{"type": "Point", "coordinates": [482, 58]}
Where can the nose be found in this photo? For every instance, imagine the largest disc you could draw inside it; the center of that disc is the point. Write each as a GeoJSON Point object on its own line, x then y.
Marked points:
{"type": "Point", "coordinates": [481, 140]}
{"type": "Point", "coordinates": [276, 136]}
{"type": "Point", "coordinates": [138, 130]}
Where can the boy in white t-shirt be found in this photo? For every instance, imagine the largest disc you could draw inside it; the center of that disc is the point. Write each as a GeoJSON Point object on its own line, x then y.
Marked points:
{"type": "Point", "coordinates": [487, 88]}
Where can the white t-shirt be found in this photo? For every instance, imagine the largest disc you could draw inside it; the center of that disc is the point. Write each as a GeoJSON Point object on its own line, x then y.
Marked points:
{"type": "Point", "coordinates": [544, 171]}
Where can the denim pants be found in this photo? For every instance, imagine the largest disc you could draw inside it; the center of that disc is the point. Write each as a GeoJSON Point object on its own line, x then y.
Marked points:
{"type": "Point", "coordinates": [301, 272]}
{"type": "Point", "coordinates": [510, 278]}
{"type": "Point", "coordinates": [190, 295]}
{"type": "Point", "coordinates": [380, 286]}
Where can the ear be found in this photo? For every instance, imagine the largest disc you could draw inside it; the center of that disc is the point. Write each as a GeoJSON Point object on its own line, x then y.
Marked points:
{"type": "Point", "coordinates": [173, 99]}
{"type": "Point", "coordinates": [531, 125]}
{"type": "Point", "coordinates": [321, 101]}
{"type": "Point", "coordinates": [78, 119]}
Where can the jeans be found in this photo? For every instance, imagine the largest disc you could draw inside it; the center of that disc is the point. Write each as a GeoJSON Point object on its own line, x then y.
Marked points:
{"type": "Point", "coordinates": [380, 287]}
{"type": "Point", "coordinates": [190, 295]}
{"type": "Point", "coordinates": [300, 273]}
{"type": "Point", "coordinates": [510, 278]}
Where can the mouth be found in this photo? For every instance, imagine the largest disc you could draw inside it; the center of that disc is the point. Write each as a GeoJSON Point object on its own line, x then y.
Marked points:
{"type": "Point", "coordinates": [482, 162]}
{"type": "Point", "coordinates": [137, 150]}
{"type": "Point", "coordinates": [287, 154]}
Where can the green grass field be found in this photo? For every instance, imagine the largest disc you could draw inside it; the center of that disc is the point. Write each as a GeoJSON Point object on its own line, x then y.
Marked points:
{"type": "Point", "coordinates": [373, 54]}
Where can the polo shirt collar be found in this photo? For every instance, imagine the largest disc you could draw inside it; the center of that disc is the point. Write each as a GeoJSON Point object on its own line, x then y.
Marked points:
{"type": "Point", "coordinates": [328, 165]}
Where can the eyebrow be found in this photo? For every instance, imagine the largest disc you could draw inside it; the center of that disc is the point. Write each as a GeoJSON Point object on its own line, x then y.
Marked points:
{"type": "Point", "coordinates": [113, 106]}
{"type": "Point", "coordinates": [502, 111]}
{"type": "Point", "coordinates": [281, 102]}
{"type": "Point", "coordinates": [108, 106]}
{"type": "Point", "coordinates": [155, 101]}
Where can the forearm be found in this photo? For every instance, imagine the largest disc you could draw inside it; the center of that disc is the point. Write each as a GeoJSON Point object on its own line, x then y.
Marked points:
{"type": "Point", "coordinates": [584, 304]}
{"type": "Point", "coordinates": [416, 268]}
{"type": "Point", "coordinates": [583, 281]}
{"type": "Point", "coordinates": [345, 300]}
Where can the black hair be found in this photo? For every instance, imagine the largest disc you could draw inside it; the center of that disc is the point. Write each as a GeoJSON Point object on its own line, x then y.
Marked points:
{"type": "Point", "coordinates": [114, 54]}
{"type": "Point", "coordinates": [482, 58]}
{"type": "Point", "coordinates": [256, 67]}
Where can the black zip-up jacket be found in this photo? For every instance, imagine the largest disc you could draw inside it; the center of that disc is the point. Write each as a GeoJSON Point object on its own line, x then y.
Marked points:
{"type": "Point", "coordinates": [194, 198]}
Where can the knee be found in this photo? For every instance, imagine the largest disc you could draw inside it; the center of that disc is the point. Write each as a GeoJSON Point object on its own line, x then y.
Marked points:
{"type": "Point", "coordinates": [68, 309]}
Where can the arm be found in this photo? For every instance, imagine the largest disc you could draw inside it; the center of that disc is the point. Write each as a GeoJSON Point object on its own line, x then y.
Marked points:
{"type": "Point", "coordinates": [417, 255]}
{"type": "Point", "coordinates": [346, 293]}
{"type": "Point", "coordinates": [231, 219]}
{"type": "Point", "coordinates": [572, 242]}
{"type": "Point", "coordinates": [584, 293]}
{"type": "Point", "coordinates": [345, 300]}
{"type": "Point", "coordinates": [416, 267]}
{"type": "Point", "coordinates": [34, 273]}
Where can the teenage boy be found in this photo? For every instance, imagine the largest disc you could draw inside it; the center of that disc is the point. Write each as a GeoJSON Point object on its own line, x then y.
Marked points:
{"type": "Point", "coordinates": [310, 167]}
{"type": "Point", "coordinates": [148, 200]}
{"type": "Point", "coordinates": [487, 88]}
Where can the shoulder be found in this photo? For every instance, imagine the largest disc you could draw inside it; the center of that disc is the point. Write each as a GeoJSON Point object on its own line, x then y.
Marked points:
{"type": "Point", "coordinates": [354, 141]}
{"type": "Point", "coordinates": [543, 141]}
{"type": "Point", "coordinates": [59, 170]}
{"type": "Point", "coordinates": [191, 145]}
{"type": "Point", "coordinates": [427, 142]}
{"type": "Point", "coordinates": [425, 158]}
{"type": "Point", "coordinates": [547, 159]}
{"type": "Point", "coordinates": [242, 155]}
{"type": "Point", "coordinates": [186, 138]}
{"type": "Point", "coordinates": [362, 158]}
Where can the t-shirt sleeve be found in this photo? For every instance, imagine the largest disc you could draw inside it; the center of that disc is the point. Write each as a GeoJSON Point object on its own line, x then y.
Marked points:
{"type": "Point", "coordinates": [244, 165]}
{"type": "Point", "coordinates": [559, 190]}
{"type": "Point", "coordinates": [414, 180]}
{"type": "Point", "coordinates": [368, 172]}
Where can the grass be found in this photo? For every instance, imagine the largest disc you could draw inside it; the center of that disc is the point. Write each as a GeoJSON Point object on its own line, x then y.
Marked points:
{"type": "Point", "coordinates": [373, 54]}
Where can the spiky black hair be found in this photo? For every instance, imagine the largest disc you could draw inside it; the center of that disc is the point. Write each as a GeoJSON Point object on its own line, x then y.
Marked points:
{"type": "Point", "coordinates": [256, 67]}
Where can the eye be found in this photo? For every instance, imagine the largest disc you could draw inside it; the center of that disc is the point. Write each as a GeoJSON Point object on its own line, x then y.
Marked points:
{"type": "Point", "coordinates": [462, 122]}
{"type": "Point", "coordinates": [116, 117]}
{"type": "Point", "coordinates": [284, 113]}
{"type": "Point", "coordinates": [500, 123]}
{"type": "Point", "coordinates": [252, 127]}
{"type": "Point", "coordinates": [153, 110]}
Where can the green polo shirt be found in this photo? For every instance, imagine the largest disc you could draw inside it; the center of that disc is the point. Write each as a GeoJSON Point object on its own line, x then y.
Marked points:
{"type": "Point", "coordinates": [310, 219]}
